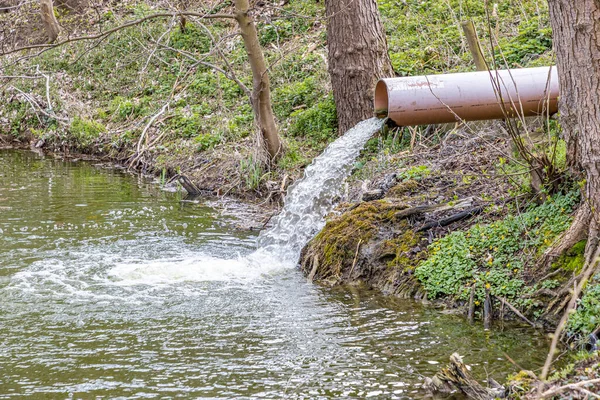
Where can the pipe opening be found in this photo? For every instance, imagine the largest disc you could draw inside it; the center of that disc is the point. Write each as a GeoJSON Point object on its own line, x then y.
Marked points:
{"type": "Point", "coordinates": [468, 96]}
{"type": "Point", "coordinates": [381, 100]}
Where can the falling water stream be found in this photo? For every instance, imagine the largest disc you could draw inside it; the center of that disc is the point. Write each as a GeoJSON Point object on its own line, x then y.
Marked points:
{"type": "Point", "coordinates": [113, 288]}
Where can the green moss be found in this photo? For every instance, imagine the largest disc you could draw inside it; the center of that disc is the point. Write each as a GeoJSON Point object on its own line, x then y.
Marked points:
{"type": "Point", "coordinates": [401, 248]}
{"type": "Point", "coordinates": [402, 188]}
{"type": "Point", "coordinates": [337, 243]}
{"type": "Point", "coordinates": [573, 259]}
{"type": "Point", "coordinates": [521, 382]}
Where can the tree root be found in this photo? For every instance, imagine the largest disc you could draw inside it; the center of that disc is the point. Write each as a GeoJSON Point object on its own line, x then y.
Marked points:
{"type": "Point", "coordinates": [577, 232]}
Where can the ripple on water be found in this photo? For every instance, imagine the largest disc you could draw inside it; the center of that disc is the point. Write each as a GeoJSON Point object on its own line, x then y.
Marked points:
{"type": "Point", "coordinates": [136, 295]}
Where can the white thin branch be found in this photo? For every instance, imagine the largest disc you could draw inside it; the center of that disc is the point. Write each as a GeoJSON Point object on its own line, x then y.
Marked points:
{"type": "Point", "coordinates": [157, 44]}
{"type": "Point", "coordinates": [17, 6]}
{"type": "Point", "coordinates": [149, 124]}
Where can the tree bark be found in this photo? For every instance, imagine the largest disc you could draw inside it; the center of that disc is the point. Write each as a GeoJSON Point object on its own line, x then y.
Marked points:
{"type": "Point", "coordinates": [576, 34]}
{"type": "Point", "coordinates": [50, 22]}
{"type": "Point", "coordinates": [474, 45]}
{"type": "Point", "coordinates": [358, 57]}
{"type": "Point", "coordinates": [261, 91]}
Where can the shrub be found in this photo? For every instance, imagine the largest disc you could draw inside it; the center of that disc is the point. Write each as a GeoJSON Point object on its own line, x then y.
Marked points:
{"type": "Point", "coordinates": [85, 131]}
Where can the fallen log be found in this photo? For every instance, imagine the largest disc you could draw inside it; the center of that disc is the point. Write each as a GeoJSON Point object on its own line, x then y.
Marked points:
{"type": "Point", "coordinates": [451, 219]}
{"type": "Point", "coordinates": [456, 376]}
{"type": "Point", "coordinates": [188, 185]}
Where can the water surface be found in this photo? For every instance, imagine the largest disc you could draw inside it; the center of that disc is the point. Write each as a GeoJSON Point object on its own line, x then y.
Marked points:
{"type": "Point", "coordinates": [110, 287]}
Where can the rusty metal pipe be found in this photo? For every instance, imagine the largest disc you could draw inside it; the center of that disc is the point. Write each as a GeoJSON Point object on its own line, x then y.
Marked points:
{"type": "Point", "coordinates": [469, 96]}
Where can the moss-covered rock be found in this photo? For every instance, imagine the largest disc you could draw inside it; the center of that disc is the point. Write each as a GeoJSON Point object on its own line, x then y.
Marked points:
{"type": "Point", "coordinates": [371, 243]}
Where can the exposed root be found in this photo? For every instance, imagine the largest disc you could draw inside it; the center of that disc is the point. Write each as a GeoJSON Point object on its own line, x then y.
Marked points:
{"type": "Point", "coordinates": [457, 376]}
{"type": "Point", "coordinates": [577, 232]}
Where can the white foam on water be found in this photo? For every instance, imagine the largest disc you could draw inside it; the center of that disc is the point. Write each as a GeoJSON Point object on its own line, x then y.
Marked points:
{"type": "Point", "coordinates": [87, 270]}
{"type": "Point", "coordinates": [199, 268]}
{"type": "Point", "coordinates": [308, 201]}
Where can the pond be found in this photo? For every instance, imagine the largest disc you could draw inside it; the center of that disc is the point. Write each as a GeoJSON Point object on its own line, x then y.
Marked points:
{"type": "Point", "coordinates": [111, 287]}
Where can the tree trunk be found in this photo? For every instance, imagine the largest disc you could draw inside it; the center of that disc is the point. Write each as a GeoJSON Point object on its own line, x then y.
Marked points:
{"type": "Point", "coordinates": [357, 57]}
{"type": "Point", "coordinates": [576, 34]}
{"type": "Point", "coordinates": [50, 22]}
{"type": "Point", "coordinates": [261, 92]}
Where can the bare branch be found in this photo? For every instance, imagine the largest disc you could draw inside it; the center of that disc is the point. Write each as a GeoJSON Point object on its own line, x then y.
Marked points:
{"type": "Point", "coordinates": [190, 56]}
{"type": "Point", "coordinates": [16, 6]}
{"type": "Point", "coordinates": [109, 32]}
{"type": "Point", "coordinates": [572, 386]}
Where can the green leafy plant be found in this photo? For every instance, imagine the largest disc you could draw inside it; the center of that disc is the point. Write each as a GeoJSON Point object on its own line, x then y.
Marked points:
{"type": "Point", "coordinates": [493, 256]}
{"type": "Point", "coordinates": [318, 123]}
{"type": "Point", "coordinates": [252, 172]}
{"type": "Point", "coordinates": [416, 172]}
{"type": "Point", "coordinates": [586, 317]}
{"type": "Point", "coordinates": [85, 131]}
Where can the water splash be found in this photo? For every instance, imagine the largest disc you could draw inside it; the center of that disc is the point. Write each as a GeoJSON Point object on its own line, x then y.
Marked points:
{"type": "Point", "coordinates": [311, 198]}
{"type": "Point", "coordinates": [307, 203]}
{"type": "Point", "coordinates": [155, 257]}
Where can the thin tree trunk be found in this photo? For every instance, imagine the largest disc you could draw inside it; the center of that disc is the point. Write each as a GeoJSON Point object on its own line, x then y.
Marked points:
{"type": "Point", "coordinates": [576, 34]}
{"type": "Point", "coordinates": [358, 57]}
{"type": "Point", "coordinates": [50, 22]}
{"type": "Point", "coordinates": [474, 45]}
{"type": "Point", "coordinates": [261, 92]}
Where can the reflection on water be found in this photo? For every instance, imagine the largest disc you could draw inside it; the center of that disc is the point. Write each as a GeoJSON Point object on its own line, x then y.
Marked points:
{"type": "Point", "coordinates": [110, 287]}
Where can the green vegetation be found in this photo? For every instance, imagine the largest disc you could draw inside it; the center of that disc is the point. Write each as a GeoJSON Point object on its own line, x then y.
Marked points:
{"type": "Point", "coordinates": [426, 37]}
{"type": "Point", "coordinates": [586, 318]}
{"type": "Point", "coordinates": [125, 80]}
{"type": "Point", "coordinates": [417, 173]}
{"type": "Point", "coordinates": [85, 131]}
{"type": "Point", "coordinates": [252, 172]}
{"type": "Point", "coordinates": [317, 123]}
{"type": "Point", "coordinates": [496, 255]}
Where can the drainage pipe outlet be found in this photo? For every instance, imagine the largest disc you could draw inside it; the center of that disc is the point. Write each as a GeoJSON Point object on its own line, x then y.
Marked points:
{"type": "Point", "coordinates": [469, 96]}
